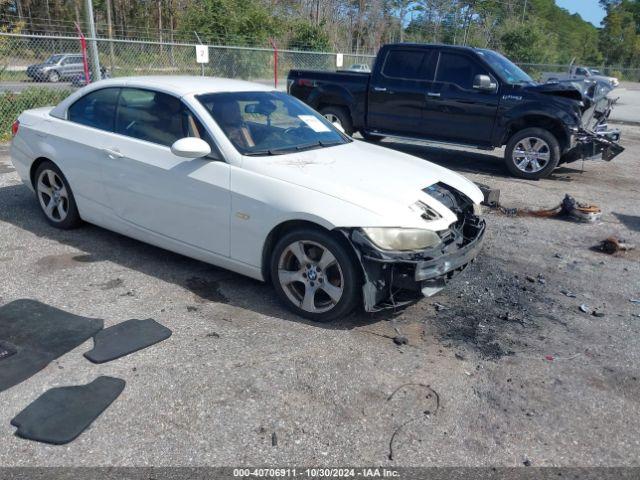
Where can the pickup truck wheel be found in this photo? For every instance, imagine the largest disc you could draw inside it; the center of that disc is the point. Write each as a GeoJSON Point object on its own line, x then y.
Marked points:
{"type": "Point", "coordinates": [340, 116]}
{"type": "Point", "coordinates": [532, 153]}
{"type": "Point", "coordinates": [314, 275]}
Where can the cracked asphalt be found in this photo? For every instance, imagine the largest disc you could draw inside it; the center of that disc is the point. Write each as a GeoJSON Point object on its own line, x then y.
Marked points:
{"type": "Point", "coordinates": [501, 368]}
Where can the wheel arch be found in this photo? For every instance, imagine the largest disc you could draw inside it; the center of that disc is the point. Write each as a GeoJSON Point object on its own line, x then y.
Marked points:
{"type": "Point", "coordinates": [34, 168]}
{"type": "Point", "coordinates": [552, 125]}
{"type": "Point", "coordinates": [287, 226]}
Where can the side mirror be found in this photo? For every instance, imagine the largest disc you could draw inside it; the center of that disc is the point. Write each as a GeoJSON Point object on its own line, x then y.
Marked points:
{"type": "Point", "coordinates": [190, 147]}
{"type": "Point", "coordinates": [484, 83]}
{"type": "Point", "coordinates": [339, 126]}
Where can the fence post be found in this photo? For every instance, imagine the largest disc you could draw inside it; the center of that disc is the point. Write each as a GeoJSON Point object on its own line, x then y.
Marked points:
{"type": "Point", "coordinates": [275, 63]}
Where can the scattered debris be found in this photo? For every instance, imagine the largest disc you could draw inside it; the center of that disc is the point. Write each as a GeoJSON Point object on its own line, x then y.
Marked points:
{"type": "Point", "coordinates": [613, 245]}
{"type": "Point", "coordinates": [213, 335]}
{"type": "Point", "coordinates": [549, 357]}
{"type": "Point", "coordinates": [491, 195]}
{"type": "Point", "coordinates": [400, 340]}
{"type": "Point", "coordinates": [633, 300]}
{"type": "Point", "coordinates": [567, 293]}
{"type": "Point", "coordinates": [530, 279]}
{"type": "Point", "coordinates": [439, 307]}
{"type": "Point", "coordinates": [191, 308]}
{"type": "Point", "coordinates": [526, 462]}
{"type": "Point", "coordinates": [431, 394]}
{"type": "Point", "coordinates": [459, 356]}
{"type": "Point", "coordinates": [569, 208]}
{"type": "Point", "coordinates": [597, 313]}
{"type": "Point", "coordinates": [584, 308]}
{"type": "Point", "coordinates": [274, 439]}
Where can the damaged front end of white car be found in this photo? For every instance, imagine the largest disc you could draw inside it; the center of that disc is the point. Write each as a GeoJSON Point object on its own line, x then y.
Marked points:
{"type": "Point", "coordinates": [401, 265]}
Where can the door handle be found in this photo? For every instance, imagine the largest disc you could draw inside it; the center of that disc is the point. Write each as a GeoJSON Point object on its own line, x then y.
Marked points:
{"type": "Point", "coordinates": [380, 89]}
{"type": "Point", "coordinates": [113, 153]}
{"type": "Point", "coordinates": [433, 94]}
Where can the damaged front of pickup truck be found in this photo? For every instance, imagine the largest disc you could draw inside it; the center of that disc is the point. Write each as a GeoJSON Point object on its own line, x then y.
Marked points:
{"type": "Point", "coordinates": [396, 275]}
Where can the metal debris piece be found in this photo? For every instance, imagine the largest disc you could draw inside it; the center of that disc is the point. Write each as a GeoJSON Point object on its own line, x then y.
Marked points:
{"type": "Point", "coordinates": [400, 340]}
{"type": "Point", "coordinates": [597, 313]}
{"type": "Point", "coordinates": [613, 245]}
{"type": "Point", "coordinates": [439, 306]}
{"type": "Point", "coordinates": [274, 439]}
{"type": "Point", "coordinates": [633, 300]}
{"type": "Point", "coordinates": [491, 195]}
{"type": "Point", "coordinates": [585, 308]}
{"type": "Point", "coordinates": [567, 293]}
{"type": "Point", "coordinates": [569, 207]}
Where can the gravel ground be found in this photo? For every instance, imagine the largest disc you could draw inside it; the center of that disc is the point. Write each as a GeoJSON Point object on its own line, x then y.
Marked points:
{"type": "Point", "coordinates": [515, 371]}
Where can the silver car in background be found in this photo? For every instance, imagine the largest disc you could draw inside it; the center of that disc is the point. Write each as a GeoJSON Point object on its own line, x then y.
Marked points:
{"type": "Point", "coordinates": [59, 66]}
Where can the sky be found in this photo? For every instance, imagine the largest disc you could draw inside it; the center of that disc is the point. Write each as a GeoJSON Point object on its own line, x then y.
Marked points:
{"type": "Point", "coordinates": [590, 10]}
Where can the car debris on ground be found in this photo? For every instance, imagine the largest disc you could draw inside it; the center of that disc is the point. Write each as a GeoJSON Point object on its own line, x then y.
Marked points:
{"type": "Point", "coordinates": [613, 245]}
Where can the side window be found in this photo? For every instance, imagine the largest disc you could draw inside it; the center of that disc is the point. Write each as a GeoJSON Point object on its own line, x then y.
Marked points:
{"type": "Point", "coordinates": [77, 59]}
{"type": "Point", "coordinates": [96, 109]}
{"type": "Point", "coordinates": [157, 117]}
{"type": "Point", "coordinates": [409, 65]}
{"type": "Point", "coordinates": [581, 71]}
{"type": "Point", "coordinates": [458, 69]}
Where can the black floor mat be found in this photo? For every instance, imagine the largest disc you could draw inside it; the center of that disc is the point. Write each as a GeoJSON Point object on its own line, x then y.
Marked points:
{"type": "Point", "coordinates": [33, 334]}
{"type": "Point", "coordinates": [125, 338]}
{"type": "Point", "coordinates": [61, 414]}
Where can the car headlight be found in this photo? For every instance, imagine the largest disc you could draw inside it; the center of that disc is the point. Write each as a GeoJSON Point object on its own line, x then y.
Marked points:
{"type": "Point", "coordinates": [402, 238]}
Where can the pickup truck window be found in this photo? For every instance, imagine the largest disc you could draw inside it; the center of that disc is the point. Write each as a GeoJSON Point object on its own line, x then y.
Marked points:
{"type": "Point", "coordinates": [458, 69]}
{"type": "Point", "coordinates": [505, 68]}
{"type": "Point", "coordinates": [269, 123]}
{"type": "Point", "coordinates": [409, 65]}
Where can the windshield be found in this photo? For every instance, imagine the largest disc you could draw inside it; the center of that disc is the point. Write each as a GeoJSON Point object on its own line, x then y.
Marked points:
{"type": "Point", "coordinates": [270, 123]}
{"type": "Point", "coordinates": [594, 71]}
{"type": "Point", "coordinates": [508, 70]}
{"type": "Point", "coordinates": [53, 59]}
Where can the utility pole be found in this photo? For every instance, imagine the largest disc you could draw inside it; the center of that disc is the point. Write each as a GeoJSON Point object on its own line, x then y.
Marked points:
{"type": "Point", "coordinates": [94, 44]}
{"type": "Point", "coordinates": [110, 34]}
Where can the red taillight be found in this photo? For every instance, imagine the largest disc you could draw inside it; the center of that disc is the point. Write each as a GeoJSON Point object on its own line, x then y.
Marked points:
{"type": "Point", "coordinates": [14, 128]}
{"type": "Point", "coordinates": [305, 82]}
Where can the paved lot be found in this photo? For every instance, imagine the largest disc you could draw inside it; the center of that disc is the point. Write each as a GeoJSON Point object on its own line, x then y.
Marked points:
{"type": "Point", "coordinates": [240, 368]}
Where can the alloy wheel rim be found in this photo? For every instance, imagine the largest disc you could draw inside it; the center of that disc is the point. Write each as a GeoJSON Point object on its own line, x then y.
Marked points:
{"type": "Point", "coordinates": [531, 154]}
{"type": "Point", "coordinates": [332, 118]}
{"type": "Point", "coordinates": [53, 196]}
{"type": "Point", "coordinates": [310, 276]}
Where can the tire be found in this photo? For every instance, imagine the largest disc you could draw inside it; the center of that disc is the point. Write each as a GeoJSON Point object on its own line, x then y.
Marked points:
{"type": "Point", "coordinates": [51, 185]}
{"type": "Point", "coordinates": [371, 138]}
{"type": "Point", "coordinates": [310, 272]}
{"type": "Point", "coordinates": [339, 115]}
{"type": "Point", "coordinates": [53, 77]}
{"type": "Point", "coordinates": [532, 153]}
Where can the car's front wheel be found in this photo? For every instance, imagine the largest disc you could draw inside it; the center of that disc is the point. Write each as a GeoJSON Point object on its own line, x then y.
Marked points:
{"type": "Point", "coordinates": [55, 197]}
{"type": "Point", "coordinates": [315, 275]}
{"type": "Point", "coordinates": [532, 153]}
{"type": "Point", "coordinates": [53, 76]}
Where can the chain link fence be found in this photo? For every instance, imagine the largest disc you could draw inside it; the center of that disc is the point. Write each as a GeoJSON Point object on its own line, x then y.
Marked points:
{"type": "Point", "coordinates": [21, 88]}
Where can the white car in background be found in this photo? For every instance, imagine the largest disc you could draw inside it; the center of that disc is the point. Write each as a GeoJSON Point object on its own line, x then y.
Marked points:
{"type": "Point", "coordinates": [252, 180]}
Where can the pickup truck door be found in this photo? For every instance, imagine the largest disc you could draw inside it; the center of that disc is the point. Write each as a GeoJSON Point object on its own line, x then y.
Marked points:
{"type": "Point", "coordinates": [396, 97]}
{"type": "Point", "coordinates": [455, 111]}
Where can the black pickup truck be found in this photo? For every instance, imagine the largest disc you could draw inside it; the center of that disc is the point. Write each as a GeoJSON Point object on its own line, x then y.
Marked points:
{"type": "Point", "coordinates": [466, 96]}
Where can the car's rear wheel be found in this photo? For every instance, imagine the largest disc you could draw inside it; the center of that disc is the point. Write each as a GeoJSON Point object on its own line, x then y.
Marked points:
{"type": "Point", "coordinates": [53, 76]}
{"type": "Point", "coordinates": [315, 275]}
{"type": "Point", "coordinates": [55, 197]}
{"type": "Point", "coordinates": [340, 116]}
{"type": "Point", "coordinates": [532, 153]}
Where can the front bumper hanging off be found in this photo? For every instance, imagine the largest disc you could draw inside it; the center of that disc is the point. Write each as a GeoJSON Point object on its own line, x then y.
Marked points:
{"type": "Point", "coordinates": [394, 278]}
{"type": "Point", "coordinates": [599, 144]}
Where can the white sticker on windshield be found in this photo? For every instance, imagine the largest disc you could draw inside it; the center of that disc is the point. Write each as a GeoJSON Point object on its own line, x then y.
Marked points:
{"type": "Point", "coordinates": [314, 123]}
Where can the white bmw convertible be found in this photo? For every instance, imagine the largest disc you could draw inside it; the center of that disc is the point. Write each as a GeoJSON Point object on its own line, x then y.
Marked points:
{"type": "Point", "coordinates": [252, 180]}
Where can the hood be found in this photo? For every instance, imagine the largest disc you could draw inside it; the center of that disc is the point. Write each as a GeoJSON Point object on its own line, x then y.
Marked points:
{"type": "Point", "coordinates": [558, 89]}
{"type": "Point", "coordinates": [378, 179]}
{"type": "Point", "coordinates": [593, 95]}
